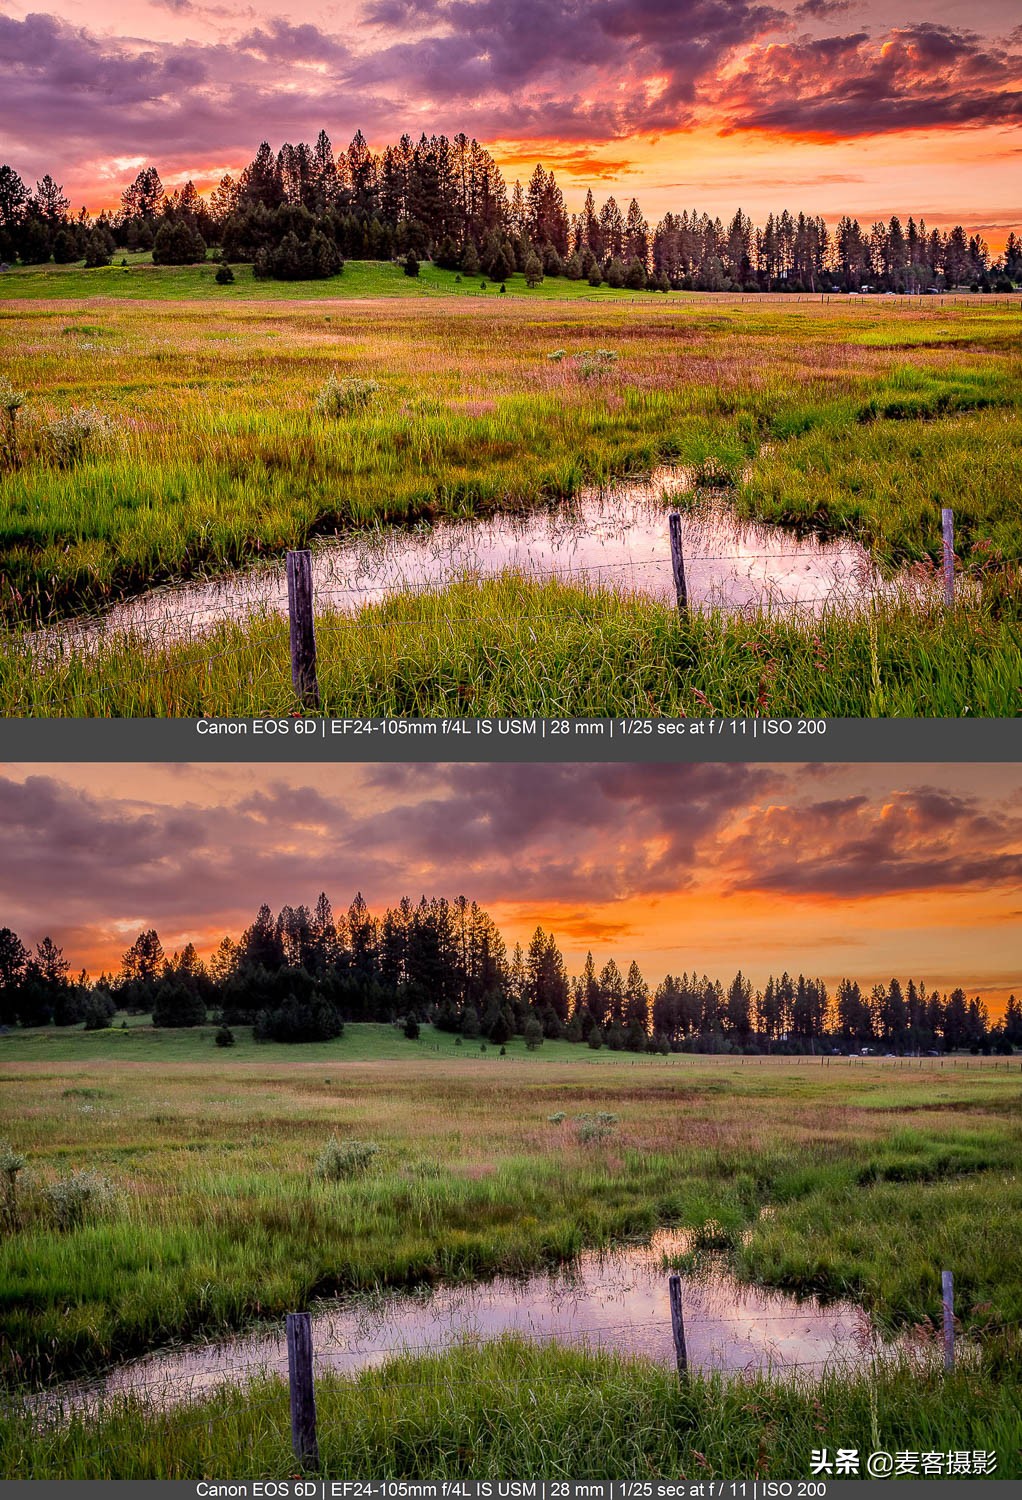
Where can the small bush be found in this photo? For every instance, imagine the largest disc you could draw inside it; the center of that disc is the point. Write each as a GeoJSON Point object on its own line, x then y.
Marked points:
{"type": "Point", "coordinates": [342, 398]}
{"type": "Point", "coordinates": [224, 1037]}
{"type": "Point", "coordinates": [556, 356]}
{"type": "Point", "coordinates": [412, 1029]}
{"type": "Point", "coordinates": [342, 1159]}
{"type": "Point", "coordinates": [11, 1163]}
{"type": "Point", "coordinates": [558, 1118]}
{"type": "Point", "coordinates": [591, 1130]}
{"type": "Point", "coordinates": [77, 435]}
{"type": "Point", "coordinates": [224, 275]}
{"type": "Point", "coordinates": [74, 1200]}
{"type": "Point", "coordinates": [11, 401]}
{"type": "Point", "coordinates": [590, 364]}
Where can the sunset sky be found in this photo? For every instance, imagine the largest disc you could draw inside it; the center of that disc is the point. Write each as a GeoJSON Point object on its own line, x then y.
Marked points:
{"type": "Point", "coordinates": [870, 871]}
{"type": "Point", "coordinates": [823, 105]}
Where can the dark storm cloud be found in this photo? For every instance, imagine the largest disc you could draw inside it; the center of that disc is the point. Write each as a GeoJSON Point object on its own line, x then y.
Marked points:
{"type": "Point", "coordinates": [819, 10]}
{"type": "Point", "coordinates": [578, 837]}
{"type": "Point", "coordinates": [514, 833]}
{"type": "Point", "coordinates": [916, 77]}
{"type": "Point", "coordinates": [569, 66]}
{"type": "Point", "coordinates": [575, 71]}
{"type": "Point", "coordinates": [857, 847]}
{"type": "Point", "coordinates": [284, 43]}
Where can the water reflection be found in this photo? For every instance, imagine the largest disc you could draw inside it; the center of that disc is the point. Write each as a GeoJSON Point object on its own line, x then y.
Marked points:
{"type": "Point", "coordinates": [615, 537]}
{"type": "Point", "coordinates": [614, 1301]}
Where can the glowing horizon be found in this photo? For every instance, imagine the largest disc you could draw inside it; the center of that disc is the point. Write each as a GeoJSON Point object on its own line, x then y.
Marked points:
{"type": "Point", "coordinates": [823, 106]}
{"type": "Point", "coordinates": [865, 872]}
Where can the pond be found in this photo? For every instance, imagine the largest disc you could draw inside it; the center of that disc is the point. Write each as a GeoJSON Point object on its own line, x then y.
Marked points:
{"type": "Point", "coordinates": [615, 1301]}
{"type": "Point", "coordinates": [615, 537]}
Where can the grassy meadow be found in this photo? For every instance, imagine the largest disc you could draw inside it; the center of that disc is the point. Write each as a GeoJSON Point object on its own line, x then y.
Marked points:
{"type": "Point", "coordinates": [876, 1175]}
{"type": "Point", "coordinates": [207, 452]}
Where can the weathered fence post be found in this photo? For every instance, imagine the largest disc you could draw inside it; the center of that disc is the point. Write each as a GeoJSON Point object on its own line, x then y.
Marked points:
{"type": "Point", "coordinates": [947, 1287]}
{"type": "Point", "coordinates": [303, 628]}
{"type": "Point", "coordinates": [678, 1326]}
{"type": "Point", "coordinates": [678, 563]}
{"type": "Point", "coordinates": [947, 518]}
{"type": "Point", "coordinates": [303, 1397]}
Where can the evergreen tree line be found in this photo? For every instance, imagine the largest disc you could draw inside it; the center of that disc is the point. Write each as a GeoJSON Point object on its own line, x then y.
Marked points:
{"type": "Point", "coordinates": [301, 975]}
{"type": "Point", "coordinates": [297, 213]}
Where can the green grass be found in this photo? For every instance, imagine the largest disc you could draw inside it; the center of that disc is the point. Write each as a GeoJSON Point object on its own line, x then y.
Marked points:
{"type": "Point", "coordinates": [219, 456]}
{"type": "Point", "coordinates": [511, 1410]}
{"type": "Point", "coordinates": [859, 420]}
{"type": "Point", "coordinates": [876, 1176]}
{"type": "Point", "coordinates": [360, 278]}
{"type": "Point", "coordinates": [513, 646]}
{"type": "Point", "coordinates": [217, 1217]}
{"type": "Point", "coordinates": [366, 1041]}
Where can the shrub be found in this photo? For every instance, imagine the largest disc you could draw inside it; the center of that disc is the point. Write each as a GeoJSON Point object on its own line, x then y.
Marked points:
{"type": "Point", "coordinates": [11, 1163]}
{"type": "Point", "coordinates": [557, 1119]}
{"type": "Point", "coordinates": [411, 265]}
{"type": "Point", "coordinates": [11, 401]}
{"type": "Point", "coordinates": [412, 1029]}
{"type": "Point", "coordinates": [77, 435]}
{"type": "Point", "coordinates": [590, 364]}
{"type": "Point", "coordinates": [224, 1037]}
{"type": "Point", "coordinates": [342, 1159]}
{"type": "Point", "coordinates": [591, 1130]}
{"type": "Point", "coordinates": [557, 355]}
{"type": "Point", "coordinates": [342, 398]}
{"type": "Point", "coordinates": [224, 275]}
{"type": "Point", "coordinates": [74, 1199]}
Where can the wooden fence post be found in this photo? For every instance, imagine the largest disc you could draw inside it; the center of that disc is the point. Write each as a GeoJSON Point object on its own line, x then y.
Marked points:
{"type": "Point", "coordinates": [303, 628]}
{"type": "Point", "coordinates": [947, 1287]}
{"type": "Point", "coordinates": [678, 1326]}
{"type": "Point", "coordinates": [303, 1397]}
{"type": "Point", "coordinates": [678, 563]}
{"type": "Point", "coordinates": [947, 518]}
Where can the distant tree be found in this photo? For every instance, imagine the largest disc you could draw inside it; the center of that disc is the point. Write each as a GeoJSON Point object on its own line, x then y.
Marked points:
{"type": "Point", "coordinates": [533, 269]}
{"type": "Point", "coordinates": [411, 265]}
{"type": "Point", "coordinates": [412, 1029]}
{"type": "Point", "coordinates": [533, 1034]}
{"type": "Point", "coordinates": [66, 247]}
{"type": "Point", "coordinates": [145, 198]}
{"type": "Point", "coordinates": [176, 1005]}
{"type": "Point", "coordinates": [13, 199]}
{"type": "Point", "coordinates": [635, 276]}
{"type": "Point", "coordinates": [178, 243]}
{"type": "Point", "coordinates": [98, 1010]}
{"type": "Point", "coordinates": [299, 1020]}
{"type": "Point", "coordinates": [50, 201]}
{"type": "Point", "coordinates": [97, 252]}
{"type": "Point", "coordinates": [13, 957]}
